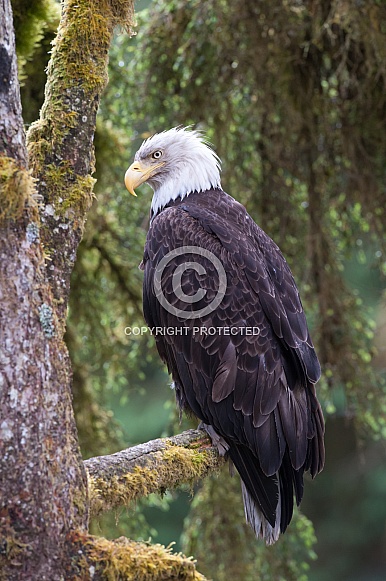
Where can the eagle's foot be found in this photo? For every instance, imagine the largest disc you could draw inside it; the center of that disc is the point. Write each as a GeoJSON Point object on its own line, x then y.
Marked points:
{"type": "Point", "coordinates": [217, 441]}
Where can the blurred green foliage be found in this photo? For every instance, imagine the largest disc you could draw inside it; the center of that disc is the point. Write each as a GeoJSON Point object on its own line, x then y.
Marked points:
{"type": "Point", "coordinates": [225, 546]}
{"type": "Point", "coordinates": [34, 23]}
{"type": "Point", "coordinates": [292, 94]}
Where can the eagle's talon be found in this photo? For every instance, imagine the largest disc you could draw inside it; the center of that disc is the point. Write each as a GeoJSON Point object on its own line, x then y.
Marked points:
{"type": "Point", "coordinates": [217, 441]}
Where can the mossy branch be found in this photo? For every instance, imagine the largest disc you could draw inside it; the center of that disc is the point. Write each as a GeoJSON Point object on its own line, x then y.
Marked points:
{"type": "Point", "coordinates": [60, 143]}
{"type": "Point", "coordinates": [156, 466]}
{"type": "Point", "coordinates": [100, 559]}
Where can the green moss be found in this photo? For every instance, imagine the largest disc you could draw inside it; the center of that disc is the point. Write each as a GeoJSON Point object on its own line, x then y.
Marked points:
{"type": "Point", "coordinates": [38, 144]}
{"type": "Point", "coordinates": [79, 56]}
{"type": "Point", "coordinates": [167, 469]}
{"type": "Point", "coordinates": [125, 559]}
{"type": "Point", "coordinates": [191, 464]}
{"type": "Point", "coordinates": [120, 491]}
{"type": "Point", "coordinates": [16, 189]}
{"type": "Point", "coordinates": [72, 194]}
{"type": "Point", "coordinates": [11, 550]}
{"type": "Point", "coordinates": [45, 135]}
{"type": "Point", "coordinates": [80, 195]}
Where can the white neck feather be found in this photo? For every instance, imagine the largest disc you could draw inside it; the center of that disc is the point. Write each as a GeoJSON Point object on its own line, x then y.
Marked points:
{"type": "Point", "coordinates": [198, 175]}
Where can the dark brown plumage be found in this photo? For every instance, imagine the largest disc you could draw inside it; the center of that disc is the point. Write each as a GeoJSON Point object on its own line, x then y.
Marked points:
{"type": "Point", "coordinates": [256, 391]}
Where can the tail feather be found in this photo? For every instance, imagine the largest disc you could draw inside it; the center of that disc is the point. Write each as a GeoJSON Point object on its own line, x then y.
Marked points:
{"type": "Point", "coordinates": [261, 488]}
{"type": "Point", "coordinates": [268, 500]}
{"type": "Point", "coordinates": [290, 481]}
{"type": "Point", "coordinates": [256, 519]}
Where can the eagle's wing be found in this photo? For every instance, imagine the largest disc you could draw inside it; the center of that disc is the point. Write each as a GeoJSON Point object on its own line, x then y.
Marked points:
{"type": "Point", "coordinates": [254, 382]}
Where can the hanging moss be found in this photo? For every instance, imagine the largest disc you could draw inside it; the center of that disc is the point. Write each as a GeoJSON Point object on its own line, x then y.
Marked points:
{"type": "Point", "coordinates": [293, 97]}
{"type": "Point", "coordinates": [218, 506]}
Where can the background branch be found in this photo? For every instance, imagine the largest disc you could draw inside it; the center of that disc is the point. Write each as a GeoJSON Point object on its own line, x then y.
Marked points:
{"type": "Point", "coordinates": [156, 466]}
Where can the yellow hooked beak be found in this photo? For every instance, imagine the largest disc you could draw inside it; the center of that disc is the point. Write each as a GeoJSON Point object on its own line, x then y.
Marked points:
{"type": "Point", "coordinates": [137, 174]}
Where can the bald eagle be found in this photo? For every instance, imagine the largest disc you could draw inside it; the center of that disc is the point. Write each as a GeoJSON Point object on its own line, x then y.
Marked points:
{"type": "Point", "coordinates": [230, 326]}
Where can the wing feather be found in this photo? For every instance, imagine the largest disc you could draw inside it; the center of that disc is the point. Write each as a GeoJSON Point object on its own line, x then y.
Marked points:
{"type": "Point", "coordinates": [225, 376]}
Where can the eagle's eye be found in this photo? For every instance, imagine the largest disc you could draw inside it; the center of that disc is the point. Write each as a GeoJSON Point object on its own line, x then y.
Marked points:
{"type": "Point", "coordinates": [157, 154]}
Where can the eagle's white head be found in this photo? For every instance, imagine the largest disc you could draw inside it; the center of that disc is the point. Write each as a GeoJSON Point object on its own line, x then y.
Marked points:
{"type": "Point", "coordinates": [174, 163]}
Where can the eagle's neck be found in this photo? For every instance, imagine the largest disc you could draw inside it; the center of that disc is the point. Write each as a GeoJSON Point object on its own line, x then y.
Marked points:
{"type": "Point", "coordinates": [180, 184]}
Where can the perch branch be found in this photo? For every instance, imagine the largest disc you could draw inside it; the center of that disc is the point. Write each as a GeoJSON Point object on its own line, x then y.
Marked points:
{"type": "Point", "coordinates": [156, 466]}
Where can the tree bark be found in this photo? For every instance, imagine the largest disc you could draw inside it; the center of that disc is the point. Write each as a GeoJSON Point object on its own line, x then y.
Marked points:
{"type": "Point", "coordinates": [12, 141]}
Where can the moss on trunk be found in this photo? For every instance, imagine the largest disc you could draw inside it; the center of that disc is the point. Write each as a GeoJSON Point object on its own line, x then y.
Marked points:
{"type": "Point", "coordinates": [16, 190]}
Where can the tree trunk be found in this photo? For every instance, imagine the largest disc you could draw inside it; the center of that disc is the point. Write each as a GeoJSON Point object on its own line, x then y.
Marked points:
{"type": "Point", "coordinates": [43, 482]}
